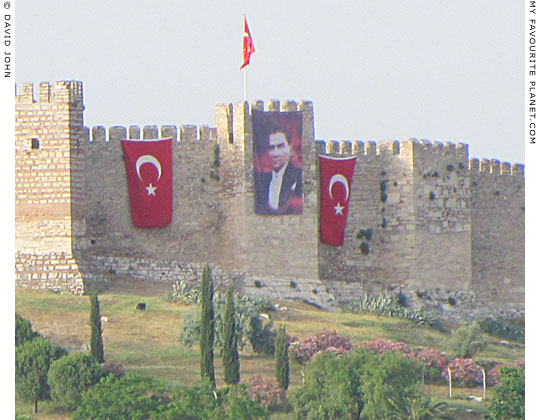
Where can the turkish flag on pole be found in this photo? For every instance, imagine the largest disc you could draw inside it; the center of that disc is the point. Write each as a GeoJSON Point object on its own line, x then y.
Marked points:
{"type": "Point", "coordinates": [336, 180]}
{"type": "Point", "coordinates": [149, 177]}
{"type": "Point", "coordinates": [248, 48]}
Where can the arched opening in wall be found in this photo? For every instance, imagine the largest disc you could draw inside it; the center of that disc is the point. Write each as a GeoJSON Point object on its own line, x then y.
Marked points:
{"type": "Point", "coordinates": [35, 143]}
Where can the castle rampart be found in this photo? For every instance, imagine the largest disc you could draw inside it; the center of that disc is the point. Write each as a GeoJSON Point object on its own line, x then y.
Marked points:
{"type": "Point", "coordinates": [423, 216]}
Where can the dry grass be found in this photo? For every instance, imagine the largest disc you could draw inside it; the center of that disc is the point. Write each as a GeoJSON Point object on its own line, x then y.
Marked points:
{"type": "Point", "coordinates": [146, 341]}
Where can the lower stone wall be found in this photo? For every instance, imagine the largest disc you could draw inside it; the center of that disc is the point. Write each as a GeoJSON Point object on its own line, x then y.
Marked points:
{"type": "Point", "coordinates": [449, 304]}
{"type": "Point", "coordinates": [58, 272]}
{"type": "Point", "coordinates": [99, 269]}
{"type": "Point", "coordinates": [62, 273]}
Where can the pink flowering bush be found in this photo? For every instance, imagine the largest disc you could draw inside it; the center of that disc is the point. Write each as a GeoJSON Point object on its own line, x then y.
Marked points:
{"type": "Point", "coordinates": [324, 341]}
{"type": "Point", "coordinates": [266, 392]}
{"type": "Point", "coordinates": [379, 346]}
{"type": "Point", "coordinates": [434, 362]}
{"type": "Point", "coordinates": [464, 373]}
{"type": "Point", "coordinates": [492, 376]}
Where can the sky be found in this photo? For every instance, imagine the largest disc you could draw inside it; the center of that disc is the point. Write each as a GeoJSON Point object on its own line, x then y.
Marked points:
{"type": "Point", "coordinates": [439, 70]}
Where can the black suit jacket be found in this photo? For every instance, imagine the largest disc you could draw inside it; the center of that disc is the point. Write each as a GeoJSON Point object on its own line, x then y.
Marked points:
{"type": "Point", "coordinates": [290, 195]}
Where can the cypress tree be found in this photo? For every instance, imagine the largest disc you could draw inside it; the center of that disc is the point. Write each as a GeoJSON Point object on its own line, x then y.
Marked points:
{"type": "Point", "coordinates": [207, 327]}
{"type": "Point", "coordinates": [231, 362]}
{"type": "Point", "coordinates": [96, 340]}
{"type": "Point", "coordinates": [282, 358]}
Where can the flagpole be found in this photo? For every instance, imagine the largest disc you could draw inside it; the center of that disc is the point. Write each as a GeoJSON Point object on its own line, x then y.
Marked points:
{"type": "Point", "coordinates": [245, 83]}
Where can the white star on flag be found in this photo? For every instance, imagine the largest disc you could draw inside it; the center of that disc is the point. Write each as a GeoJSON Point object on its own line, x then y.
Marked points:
{"type": "Point", "coordinates": [339, 209]}
{"type": "Point", "coordinates": [151, 189]}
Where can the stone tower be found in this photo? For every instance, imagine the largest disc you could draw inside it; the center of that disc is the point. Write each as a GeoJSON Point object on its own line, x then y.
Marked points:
{"type": "Point", "coordinates": [49, 186]}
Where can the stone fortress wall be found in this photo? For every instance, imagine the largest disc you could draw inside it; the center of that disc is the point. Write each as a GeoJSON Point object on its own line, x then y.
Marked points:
{"type": "Point", "coordinates": [423, 217]}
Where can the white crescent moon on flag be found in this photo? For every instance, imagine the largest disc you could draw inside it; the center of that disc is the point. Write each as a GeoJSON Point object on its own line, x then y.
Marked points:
{"type": "Point", "coordinates": [147, 159]}
{"type": "Point", "coordinates": [339, 178]}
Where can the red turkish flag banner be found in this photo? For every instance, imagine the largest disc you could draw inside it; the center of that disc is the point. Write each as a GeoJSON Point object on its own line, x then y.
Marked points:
{"type": "Point", "coordinates": [248, 47]}
{"type": "Point", "coordinates": [336, 181]}
{"type": "Point", "coordinates": [149, 178]}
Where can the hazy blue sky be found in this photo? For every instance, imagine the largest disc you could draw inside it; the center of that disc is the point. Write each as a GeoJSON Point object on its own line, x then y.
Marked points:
{"type": "Point", "coordinates": [441, 70]}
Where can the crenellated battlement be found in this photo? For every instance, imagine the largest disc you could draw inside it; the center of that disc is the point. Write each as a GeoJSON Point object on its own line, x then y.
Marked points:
{"type": "Point", "coordinates": [228, 111]}
{"type": "Point", "coordinates": [494, 166]}
{"type": "Point", "coordinates": [182, 133]}
{"type": "Point", "coordinates": [60, 92]}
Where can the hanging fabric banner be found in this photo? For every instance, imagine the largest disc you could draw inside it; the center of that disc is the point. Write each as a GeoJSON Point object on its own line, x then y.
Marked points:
{"type": "Point", "coordinates": [277, 162]}
{"type": "Point", "coordinates": [336, 180]}
{"type": "Point", "coordinates": [149, 178]}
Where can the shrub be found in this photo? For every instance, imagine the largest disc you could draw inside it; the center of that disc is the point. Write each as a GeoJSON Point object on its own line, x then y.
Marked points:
{"type": "Point", "coordinates": [365, 233]}
{"type": "Point", "coordinates": [466, 341]}
{"type": "Point", "coordinates": [70, 376]}
{"type": "Point", "coordinates": [249, 327]}
{"type": "Point", "coordinates": [386, 376]}
{"type": "Point", "coordinates": [132, 397]}
{"type": "Point", "coordinates": [23, 330]}
{"type": "Point", "coordinates": [379, 346]}
{"type": "Point", "coordinates": [364, 248]}
{"type": "Point", "coordinates": [434, 364]}
{"type": "Point", "coordinates": [493, 376]}
{"type": "Point", "coordinates": [502, 329]}
{"type": "Point", "coordinates": [391, 305]}
{"type": "Point", "coordinates": [324, 341]}
{"type": "Point", "coordinates": [331, 390]}
{"type": "Point", "coordinates": [356, 385]}
{"type": "Point", "coordinates": [113, 368]}
{"type": "Point", "coordinates": [267, 393]}
{"type": "Point", "coordinates": [420, 408]}
{"type": "Point", "coordinates": [32, 362]}
{"type": "Point", "coordinates": [204, 403]}
{"type": "Point", "coordinates": [464, 373]}
{"type": "Point", "coordinates": [509, 398]}
{"type": "Point", "coordinates": [241, 407]}
{"type": "Point", "coordinates": [262, 337]}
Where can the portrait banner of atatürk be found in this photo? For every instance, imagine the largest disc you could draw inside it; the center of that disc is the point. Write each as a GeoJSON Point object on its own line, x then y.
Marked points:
{"type": "Point", "coordinates": [277, 162]}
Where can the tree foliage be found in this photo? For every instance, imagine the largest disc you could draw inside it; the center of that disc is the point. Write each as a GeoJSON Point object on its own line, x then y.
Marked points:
{"type": "Point", "coordinates": [135, 397]}
{"type": "Point", "coordinates": [385, 376]}
{"type": "Point", "coordinates": [32, 362]}
{"type": "Point", "coordinates": [420, 408]}
{"type": "Point", "coordinates": [231, 361]}
{"type": "Point", "coordinates": [96, 339]}
{"type": "Point", "coordinates": [466, 341]}
{"type": "Point", "coordinates": [132, 397]}
{"type": "Point", "coordinates": [331, 388]}
{"type": "Point", "coordinates": [204, 403]}
{"type": "Point", "coordinates": [23, 330]}
{"type": "Point", "coordinates": [207, 327]}
{"type": "Point", "coordinates": [358, 383]}
{"type": "Point", "coordinates": [282, 358]}
{"type": "Point", "coordinates": [249, 327]}
{"type": "Point", "coordinates": [70, 376]}
{"type": "Point", "coordinates": [509, 397]}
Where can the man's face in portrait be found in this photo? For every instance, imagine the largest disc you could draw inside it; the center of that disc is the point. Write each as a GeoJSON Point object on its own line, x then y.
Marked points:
{"type": "Point", "coordinates": [280, 150]}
